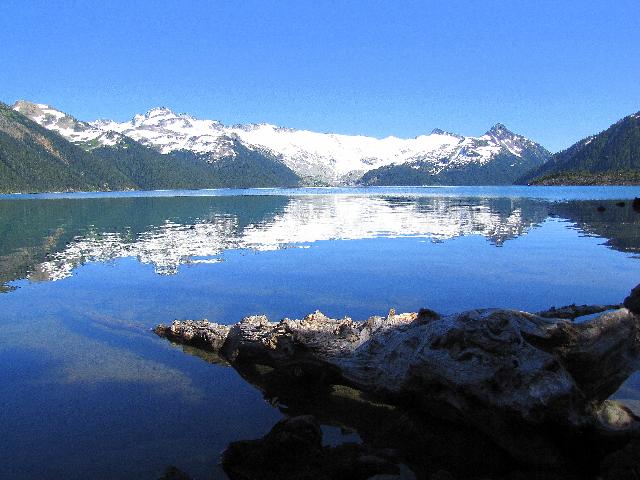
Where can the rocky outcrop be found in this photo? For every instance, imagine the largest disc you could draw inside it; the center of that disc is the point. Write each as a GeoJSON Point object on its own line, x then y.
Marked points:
{"type": "Point", "coordinates": [632, 302]}
{"type": "Point", "coordinates": [510, 374]}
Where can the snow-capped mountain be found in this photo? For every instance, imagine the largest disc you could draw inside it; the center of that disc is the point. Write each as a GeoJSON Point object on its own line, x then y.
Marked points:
{"type": "Point", "coordinates": [69, 127]}
{"type": "Point", "coordinates": [315, 157]}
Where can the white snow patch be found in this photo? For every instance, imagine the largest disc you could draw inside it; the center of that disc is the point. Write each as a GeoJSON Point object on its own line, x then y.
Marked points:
{"type": "Point", "coordinates": [326, 156]}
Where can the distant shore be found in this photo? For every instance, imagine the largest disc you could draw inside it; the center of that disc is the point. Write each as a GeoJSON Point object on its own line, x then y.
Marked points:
{"type": "Point", "coordinates": [617, 178]}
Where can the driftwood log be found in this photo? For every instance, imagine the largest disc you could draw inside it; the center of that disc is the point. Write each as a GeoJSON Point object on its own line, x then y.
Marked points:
{"type": "Point", "coordinates": [508, 373]}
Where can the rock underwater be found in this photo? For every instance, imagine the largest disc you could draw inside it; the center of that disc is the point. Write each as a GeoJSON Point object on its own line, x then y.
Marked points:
{"type": "Point", "coordinates": [528, 382]}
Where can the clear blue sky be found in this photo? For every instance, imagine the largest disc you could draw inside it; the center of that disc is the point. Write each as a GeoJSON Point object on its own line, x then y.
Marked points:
{"type": "Point", "coordinates": [555, 71]}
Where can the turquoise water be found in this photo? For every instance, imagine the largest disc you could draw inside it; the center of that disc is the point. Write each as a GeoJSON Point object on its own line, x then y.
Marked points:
{"type": "Point", "coordinates": [88, 391]}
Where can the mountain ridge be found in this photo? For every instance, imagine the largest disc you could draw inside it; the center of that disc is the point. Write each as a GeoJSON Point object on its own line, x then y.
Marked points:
{"type": "Point", "coordinates": [318, 158]}
{"type": "Point", "coordinates": [34, 158]}
{"type": "Point", "coordinates": [611, 156]}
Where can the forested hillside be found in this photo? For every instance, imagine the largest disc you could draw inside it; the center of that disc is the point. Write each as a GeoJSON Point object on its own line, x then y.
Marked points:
{"type": "Point", "coordinates": [610, 157]}
{"type": "Point", "coordinates": [35, 159]}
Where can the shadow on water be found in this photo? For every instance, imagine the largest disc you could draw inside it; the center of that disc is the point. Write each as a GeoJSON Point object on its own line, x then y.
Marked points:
{"type": "Point", "coordinates": [400, 439]}
{"type": "Point", "coordinates": [616, 221]}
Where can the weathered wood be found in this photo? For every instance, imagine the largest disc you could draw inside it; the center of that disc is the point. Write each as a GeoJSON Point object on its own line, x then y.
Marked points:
{"type": "Point", "coordinates": [571, 312]}
{"type": "Point", "coordinates": [494, 369]}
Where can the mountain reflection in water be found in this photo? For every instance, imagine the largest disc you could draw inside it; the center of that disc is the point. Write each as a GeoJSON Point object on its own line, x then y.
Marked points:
{"type": "Point", "coordinates": [84, 373]}
{"type": "Point", "coordinates": [48, 239]}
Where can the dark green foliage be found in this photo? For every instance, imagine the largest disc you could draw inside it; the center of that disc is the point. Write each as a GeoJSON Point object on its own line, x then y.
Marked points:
{"type": "Point", "coordinates": [252, 168]}
{"type": "Point", "coordinates": [150, 170]}
{"type": "Point", "coordinates": [397, 175]}
{"type": "Point", "coordinates": [608, 158]}
{"type": "Point", "coordinates": [503, 170]}
{"type": "Point", "coordinates": [34, 159]}
{"type": "Point", "coordinates": [247, 169]}
{"type": "Point", "coordinates": [614, 177]}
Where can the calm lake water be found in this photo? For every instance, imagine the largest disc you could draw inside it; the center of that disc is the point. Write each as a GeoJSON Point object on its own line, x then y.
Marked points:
{"type": "Point", "coordinates": [88, 391]}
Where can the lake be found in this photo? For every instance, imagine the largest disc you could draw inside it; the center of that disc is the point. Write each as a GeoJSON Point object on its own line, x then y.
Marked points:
{"type": "Point", "coordinates": [88, 391]}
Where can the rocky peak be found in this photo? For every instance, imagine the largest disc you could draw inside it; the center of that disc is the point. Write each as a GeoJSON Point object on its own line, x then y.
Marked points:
{"type": "Point", "coordinates": [36, 110]}
{"type": "Point", "coordinates": [26, 106]}
{"type": "Point", "coordinates": [153, 115]}
{"type": "Point", "coordinates": [323, 156]}
{"type": "Point", "coordinates": [102, 123]}
{"type": "Point", "coordinates": [48, 116]}
{"type": "Point", "coordinates": [77, 131]}
{"type": "Point", "coordinates": [439, 131]}
{"type": "Point", "coordinates": [159, 111]}
{"type": "Point", "coordinates": [499, 130]}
